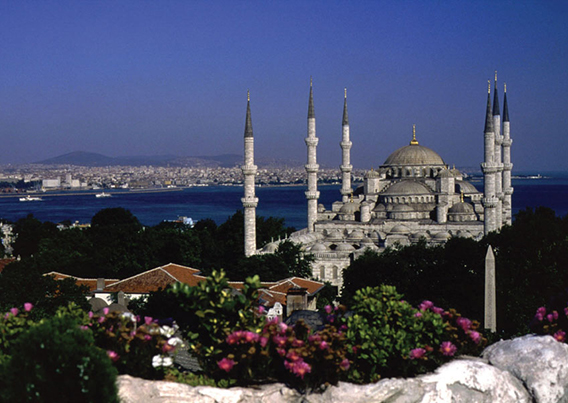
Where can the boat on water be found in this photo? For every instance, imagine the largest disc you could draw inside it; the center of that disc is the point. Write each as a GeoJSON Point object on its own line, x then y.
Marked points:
{"type": "Point", "coordinates": [103, 194]}
{"type": "Point", "coordinates": [29, 198]}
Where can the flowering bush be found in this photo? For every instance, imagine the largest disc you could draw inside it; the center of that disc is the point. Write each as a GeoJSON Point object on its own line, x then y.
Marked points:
{"type": "Point", "coordinates": [388, 337]}
{"type": "Point", "coordinates": [12, 324]}
{"type": "Point", "coordinates": [551, 322]}
{"type": "Point", "coordinates": [55, 361]}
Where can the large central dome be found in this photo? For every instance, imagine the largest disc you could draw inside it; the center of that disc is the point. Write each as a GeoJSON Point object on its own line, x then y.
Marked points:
{"type": "Point", "coordinates": [413, 155]}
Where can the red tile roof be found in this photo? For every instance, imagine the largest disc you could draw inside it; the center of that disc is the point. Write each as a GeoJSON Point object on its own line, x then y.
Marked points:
{"type": "Point", "coordinates": [91, 283]}
{"type": "Point", "coordinates": [5, 262]}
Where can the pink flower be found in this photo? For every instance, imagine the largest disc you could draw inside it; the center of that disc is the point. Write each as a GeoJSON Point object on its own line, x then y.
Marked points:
{"type": "Point", "coordinates": [113, 355]}
{"type": "Point", "coordinates": [28, 306]}
{"type": "Point", "coordinates": [297, 343]}
{"type": "Point", "coordinates": [293, 355]}
{"type": "Point", "coordinates": [464, 323]}
{"type": "Point", "coordinates": [447, 348]}
{"type": "Point", "coordinates": [251, 337]}
{"type": "Point", "coordinates": [301, 369]}
{"type": "Point", "coordinates": [344, 364]}
{"type": "Point", "coordinates": [328, 309]}
{"type": "Point", "coordinates": [263, 341]}
{"type": "Point", "coordinates": [540, 312]}
{"type": "Point", "coordinates": [437, 310]}
{"type": "Point", "coordinates": [147, 337]}
{"type": "Point", "coordinates": [148, 320]}
{"type": "Point", "coordinates": [261, 309]}
{"type": "Point", "coordinates": [417, 353]}
{"type": "Point", "coordinates": [418, 315]}
{"type": "Point", "coordinates": [475, 336]}
{"type": "Point", "coordinates": [283, 326]}
{"type": "Point", "coordinates": [281, 352]}
{"type": "Point", "coordinates": [233, 338]}
{"type": "Point", "coordinates": [14, 311]}
{"type": "Point", "coordinates": [566, 311]}
{"type": "Point", "coordinates": [226, 364]}
{"type": "Point", "coordinates": [91, 314]}
{"type": "Point", "coordinates": [101, 319]}
{"type": "Point", "coordinates": [84, 327]}
{"type": "Point", "coordinates": [425, 305]}
{"type": "Point", "coordinates": [324, 345]}
{"type": "Point", "coordinates": [280, 341]}
{"type": "Point", "coordinates": [105, 310]}
{"type": "Point", "coordinates": [560, 336]}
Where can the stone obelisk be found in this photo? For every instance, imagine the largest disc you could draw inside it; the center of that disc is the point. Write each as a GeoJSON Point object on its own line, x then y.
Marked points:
{"type": "Point", "coordinates": [490, 299]}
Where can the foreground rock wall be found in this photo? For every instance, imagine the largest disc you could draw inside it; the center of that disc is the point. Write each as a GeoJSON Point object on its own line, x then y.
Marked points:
{"type": "Point", "coordinates": [526, 369]}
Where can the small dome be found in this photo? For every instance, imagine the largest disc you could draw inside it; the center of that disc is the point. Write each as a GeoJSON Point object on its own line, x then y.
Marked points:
{"type": "Point", "coordinates": [407, 187]}
{"type": "Point", "coordinates": [466, 187]}
{"type": "Point", "coordinates": [461, 208]}
{"type": "Point", "coordinates": [400, 229]}
{"type": "Point", "coordinates": [417, 235]}
{"type": "Point", "coordinates": [414, 154]}
{"type": "Point", "coordinates": [349, 208]}
{"type": "Point", "coordinates": [464, 234]}
{"type": "Point", "coordinates": [367, 241]}
{"type": "Point", "coordinates": [270, 247]}
{"type": "Point", "coordinates": [442, 236]}
{"type": "Point", "coordinates": [445, 173]}
{"type": "Point", "coordinates": [344, 247]}
{"type": "Point", "coordinates": [372, 174]}
{"type": "Point", "coordinates": [380, 208]}
{"type": "Point", "coordinates": [402, 208]}
{"type": "Point", "coordinates": [335, 235]}
{"type": "Point", "coordinates": [319, 247]}
{"type": "Point", "coordinates": [356, 235]}
{"type": "Point", "coordinates": [321, 208]}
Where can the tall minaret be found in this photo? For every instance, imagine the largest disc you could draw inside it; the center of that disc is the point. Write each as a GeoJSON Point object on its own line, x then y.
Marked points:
{"type": "Point", "coordinates": [312, 167]}
{"type": "Point", "coordinates": [489, 168]}
{"type": "Point", "coordinates": [507, 166]}
{"type": "Point", "coordinates": [346, 166]}
{"type": "Point", "coordinates": [498, 160]}
{"type": "Point", "coordinates": [249, 200]}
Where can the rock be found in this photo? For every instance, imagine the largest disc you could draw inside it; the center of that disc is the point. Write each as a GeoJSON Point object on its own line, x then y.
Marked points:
{"type": "Point", "coordinates": [540, 362]}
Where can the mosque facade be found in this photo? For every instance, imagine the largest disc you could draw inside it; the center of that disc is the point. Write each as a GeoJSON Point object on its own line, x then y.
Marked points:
{"type": "Point", "coordinates": [414, 195]}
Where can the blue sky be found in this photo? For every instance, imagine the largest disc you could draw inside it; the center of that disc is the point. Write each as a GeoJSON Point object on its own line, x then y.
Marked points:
{"type": "Point", "coordinates": [171, 77]}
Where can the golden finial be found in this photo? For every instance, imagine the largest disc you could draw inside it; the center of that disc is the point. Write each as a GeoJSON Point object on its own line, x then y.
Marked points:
{"type": "Point", "coordinates": [345, 92]}
{"type": "Point", "coordinates": [414, 141]}
{"type": "Point", "coordinates": [248, 95]}
{"type": "Point", "coordinates": [489, 86]}
{"type": "Point", "coordinates": [461, 196]}
{"type": "Point", "coordinates": [495, 75]}
{"type": "Point", "coordinates": [505, 87]}
{"type": "Point", "coordinates": [351, 199]}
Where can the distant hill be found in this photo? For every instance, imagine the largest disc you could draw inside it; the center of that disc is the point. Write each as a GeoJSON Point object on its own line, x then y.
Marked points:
{"type": "Point", "coordinates": [83, 158]}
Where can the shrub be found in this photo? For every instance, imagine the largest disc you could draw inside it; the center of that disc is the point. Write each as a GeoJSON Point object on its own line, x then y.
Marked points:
{"type": "Point", "coordinates": [56, 361]}
{"type": "Point", "coordinates": [550, 322]}
{"type": "Point", "coordinates": [388, 337]}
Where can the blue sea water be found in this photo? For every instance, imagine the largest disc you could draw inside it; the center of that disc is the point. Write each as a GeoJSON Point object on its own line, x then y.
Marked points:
{"type": "Point", "coordinates": [219, 203]}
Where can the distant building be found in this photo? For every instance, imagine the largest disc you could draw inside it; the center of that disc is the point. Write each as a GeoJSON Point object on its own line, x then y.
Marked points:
{"type": "Point", "coordinates": [413, 195]}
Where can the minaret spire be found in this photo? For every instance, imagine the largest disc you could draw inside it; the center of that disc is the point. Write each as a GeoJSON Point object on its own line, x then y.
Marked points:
{"type": "Point", "coordinates": [498, 158]}
{"type": "Point", "coordinates": [496, 99]}
{"type": "Point", "coordinates": [250, 201]}
{"type": "Point", "coordinates": [507, 165]}
{"type": "Point", "coordinates": [489, 168]}
{"type": "Point", "coordinates": [312, 167]}
{"type": "Point", "coordinates": [345, 144]}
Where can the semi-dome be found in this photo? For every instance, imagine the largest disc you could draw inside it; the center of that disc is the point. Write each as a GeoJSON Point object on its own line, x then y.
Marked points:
{"type": "Point", "coordinates": [400, 229]}
{"type": "Point", "coordinates": [319, 247]}
{"type": "Point", "coordinates": [344, 247]}
{"type": "Point", "coordinates": [407, 187]}
{"type": "Point", "coordinates": [414, 154]}
{"type": "Point", "coordinates": [461, 208]}
{"type": "Point", "coordinates": [350, 207]}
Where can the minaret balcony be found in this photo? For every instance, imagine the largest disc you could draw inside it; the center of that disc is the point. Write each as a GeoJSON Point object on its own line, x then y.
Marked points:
{"type": "Point", "coordinates": [346, 168]}
{"type": "Point", "coordinates": [507, 142]}
{"type": "Point", "coordinates": [249, 169]}
{"type": "Point", "coordinates": [508, 191]}
{"type": "Point", "coordinates": [346, 144]}
{"type": "Point", "coordinates": [312, 168]}
{"type": "Point", "coordinates": [249, 202]}
{"type": "Point", "coordinates": [507, 167]}
{"type": "Point", "coordinates": [312, 141]}
{"type": "Point", "coordinates": [489, 167]}
{"type": "Point", "coordinates": [311, 194]}
{"type": "Point", "coordinates": [490, 202]}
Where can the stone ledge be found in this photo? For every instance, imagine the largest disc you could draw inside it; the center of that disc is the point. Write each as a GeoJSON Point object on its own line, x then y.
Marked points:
{"type": "Point", "coordinates": [526, 369]}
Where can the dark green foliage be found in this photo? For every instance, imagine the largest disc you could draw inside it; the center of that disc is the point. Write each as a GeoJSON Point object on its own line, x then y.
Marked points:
{"type": "Point", "coordinates": [56, 361]}
{"type": "Point", "coordinates": [20, 284]}
{"type": "Point", "coordinates": [447, 274]}
{"type": "Point", "coordinates": [30, 231]}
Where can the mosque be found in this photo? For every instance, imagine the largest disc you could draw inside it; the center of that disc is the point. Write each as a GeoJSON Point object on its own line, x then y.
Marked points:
{"type": "Point", "coordinates": [413, 195]}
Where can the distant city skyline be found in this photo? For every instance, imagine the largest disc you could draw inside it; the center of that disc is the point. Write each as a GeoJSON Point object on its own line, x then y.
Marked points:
{"type": "Point", "coordinates": [154, 78]}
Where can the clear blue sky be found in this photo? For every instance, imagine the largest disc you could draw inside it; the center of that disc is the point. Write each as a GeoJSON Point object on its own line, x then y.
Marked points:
{"type": "Point", "coordinates": [170, 77]}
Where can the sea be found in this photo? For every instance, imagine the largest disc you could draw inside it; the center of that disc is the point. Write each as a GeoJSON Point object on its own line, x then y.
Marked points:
{"type": "Point", "coordinates": [220, 202]}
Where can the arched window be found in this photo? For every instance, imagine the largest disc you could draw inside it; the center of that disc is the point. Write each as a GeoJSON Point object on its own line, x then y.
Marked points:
{"type": "Point", "coordinates": [335, 271]}
{"type": "Point", "coordinates": [322, 272]}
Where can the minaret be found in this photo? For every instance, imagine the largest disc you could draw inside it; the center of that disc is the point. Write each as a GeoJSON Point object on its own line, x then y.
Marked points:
{"type": "Point", "coordinates": [498, 160]}
{"type": "Point", "coordinates": [489, 169]}
{"type": "Point", "coordinates": [312, 167]}
{"type": "Point", "coordinates": [507, 166]}
{"type": "Point", "coordinates": [249, 200]}
{"type": "Point", "coordinates": [346, 166]}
